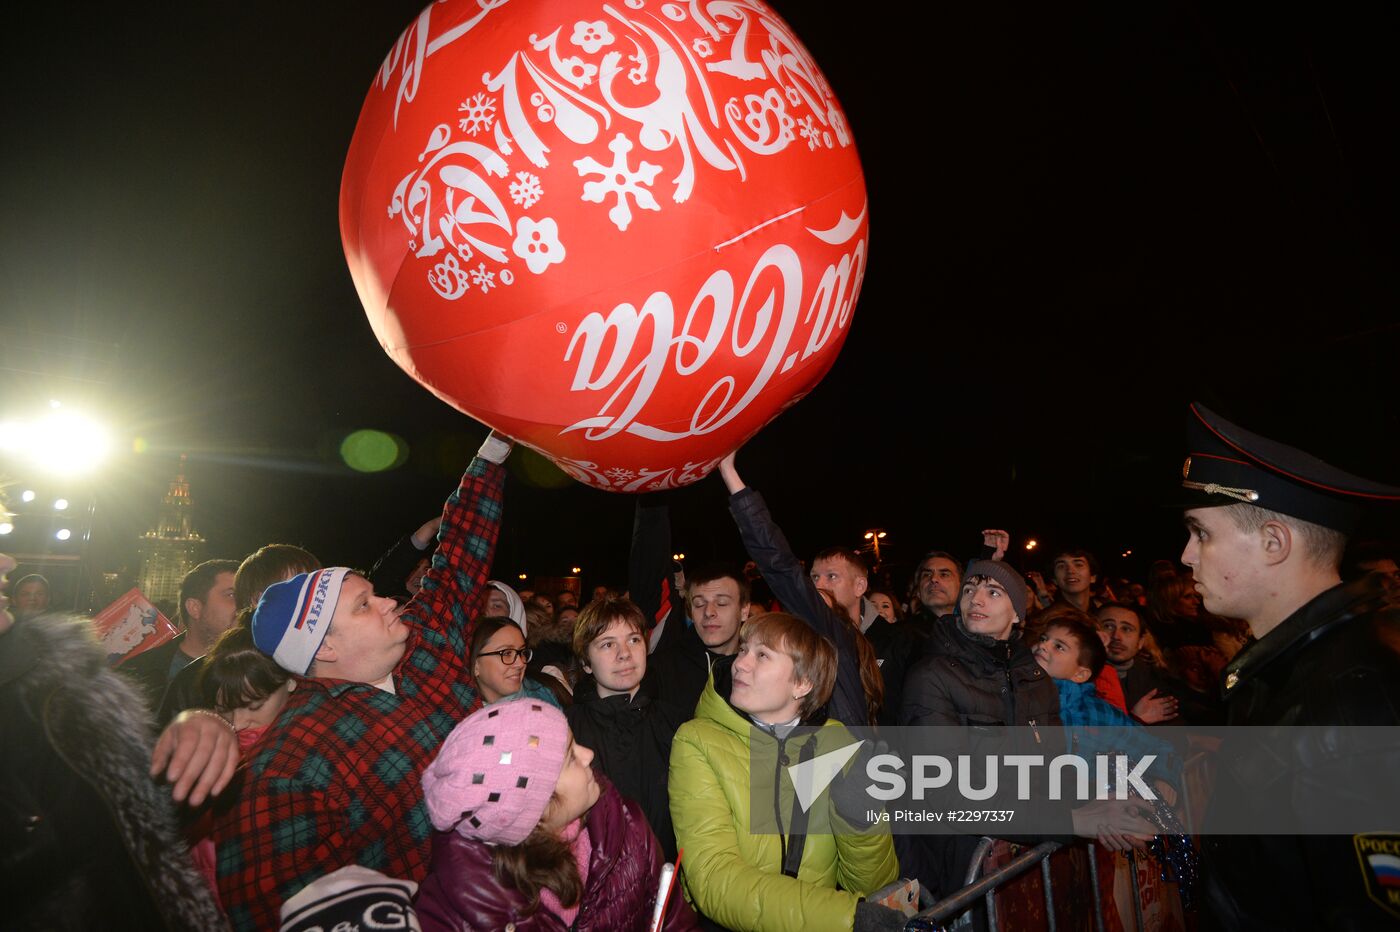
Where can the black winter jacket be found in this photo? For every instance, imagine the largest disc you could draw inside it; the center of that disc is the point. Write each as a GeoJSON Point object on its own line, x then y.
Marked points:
{"type": "Point", "coordinates": [1333, 662]}
{"type": "Point", "coordinates": [971, 680]}
{"type": "Point", "coordinates": [769, 548]}
{"type": "Point", "coordinates": [968, 678]}
{"type": "Point", "coordinates": [631, 738]}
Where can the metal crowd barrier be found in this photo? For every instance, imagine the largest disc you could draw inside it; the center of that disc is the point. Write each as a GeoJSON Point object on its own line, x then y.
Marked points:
{"type": "Point", "coordinates": [1197, 780]}
{"type": "Point", "coordinates": [986, 887]}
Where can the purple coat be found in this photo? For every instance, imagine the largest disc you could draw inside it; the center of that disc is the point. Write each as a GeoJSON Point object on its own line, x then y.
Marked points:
{"type": "Point", "coordinates": [461, 892]}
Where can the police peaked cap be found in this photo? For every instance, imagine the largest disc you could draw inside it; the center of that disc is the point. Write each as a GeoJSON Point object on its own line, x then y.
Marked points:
{"type": "Point", "coordinates": [1228, 464]}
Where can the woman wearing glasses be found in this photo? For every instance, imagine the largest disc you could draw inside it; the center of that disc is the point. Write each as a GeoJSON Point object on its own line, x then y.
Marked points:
{"type": "Point", "coordinates": [497, 658]}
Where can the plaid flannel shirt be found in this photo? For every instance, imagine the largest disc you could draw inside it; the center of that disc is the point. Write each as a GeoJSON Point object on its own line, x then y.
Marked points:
{"type": "Point", "coordinates": [336, 779]}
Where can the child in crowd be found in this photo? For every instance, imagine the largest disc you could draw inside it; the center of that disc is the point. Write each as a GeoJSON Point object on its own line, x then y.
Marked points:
{"type": "Point", "coordinates": [1071, 652]}
{"type": "Point", "coordinates": [529, 838]}
{"type": "Point", "coordinates": [619, 715]}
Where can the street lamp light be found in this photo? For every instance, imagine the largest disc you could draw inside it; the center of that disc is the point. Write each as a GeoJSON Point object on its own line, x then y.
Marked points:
{"type": "Point", "coordinates": [1032, 544]}
{"type": "Point", "coordinates": [577, 570]}
{"type": "Point", "coordinates": [875, 535]}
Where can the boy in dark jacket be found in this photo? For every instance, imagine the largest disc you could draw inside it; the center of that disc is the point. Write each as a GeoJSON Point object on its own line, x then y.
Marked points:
{"type": "Point", "coordinates": [619, 717]}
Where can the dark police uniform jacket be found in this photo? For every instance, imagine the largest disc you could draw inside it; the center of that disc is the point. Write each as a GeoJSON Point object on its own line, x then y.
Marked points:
{"type": "Point", "coordinates": [1333, 662]}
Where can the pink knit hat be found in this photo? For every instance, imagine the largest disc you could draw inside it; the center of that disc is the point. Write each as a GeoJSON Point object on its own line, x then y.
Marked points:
{"type": "Point", "coordinates": [496, 772]}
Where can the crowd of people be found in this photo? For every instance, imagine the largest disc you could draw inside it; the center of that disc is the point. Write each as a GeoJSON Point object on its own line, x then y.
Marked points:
{"type": "Point", "coordinates": [425, 744]}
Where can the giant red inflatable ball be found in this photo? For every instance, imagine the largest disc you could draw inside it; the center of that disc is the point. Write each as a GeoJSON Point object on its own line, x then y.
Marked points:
{"type": "Point", "coordinates": [627, 234]}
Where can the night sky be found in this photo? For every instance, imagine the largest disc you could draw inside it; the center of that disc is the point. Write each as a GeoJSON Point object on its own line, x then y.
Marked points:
{"type": "Point", "coordinates": [1080, 221]}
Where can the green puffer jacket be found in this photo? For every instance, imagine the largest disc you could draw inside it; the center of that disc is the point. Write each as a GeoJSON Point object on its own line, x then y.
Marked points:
{"type": "Point", "coordinates": [734, 877]}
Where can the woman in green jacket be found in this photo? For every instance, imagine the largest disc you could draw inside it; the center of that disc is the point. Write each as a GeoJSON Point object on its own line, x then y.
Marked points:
{"type": "Point", "coordinates": [785, 880]}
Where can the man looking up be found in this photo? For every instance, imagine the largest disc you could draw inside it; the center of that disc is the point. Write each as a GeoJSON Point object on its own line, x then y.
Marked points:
{"type": "Point", "coordinates": [336, 778]}
{"type": "Point", "coordinates": [1267, 525]}
{"type": "Point", "coordinates": [206, 611]}
{"type": "Point", "coordinates": [979, 670]}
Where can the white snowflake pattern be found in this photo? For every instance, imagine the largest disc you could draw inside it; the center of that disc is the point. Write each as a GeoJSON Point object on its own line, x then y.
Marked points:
{"type": "Point", "coordinates": [619, 475]}
{"type": "Point", "coordinates": [807, 129]}
{"type": "Point", "coordinates": [464, 250]}
{"type": "Point", "coordinates": [619, 179]}
{"type": "Point", "coordinates": [526, 190]}
{"type": "Point", "coordinates": [483, 279]}
{"type": "Point", "coordinates": [702, 47]}
{"type": "Point", "coordinates": [793, 96]}
{"type": "Point", "coordinates": [480, 114]}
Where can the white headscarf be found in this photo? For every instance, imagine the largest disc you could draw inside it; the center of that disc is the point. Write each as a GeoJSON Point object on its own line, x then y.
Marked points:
{"type": "Point", "coordinates": [517, 606]}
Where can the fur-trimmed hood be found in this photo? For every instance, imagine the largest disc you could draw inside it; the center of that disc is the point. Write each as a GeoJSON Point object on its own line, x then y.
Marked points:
{"type": "Point", "coordinates": [59, 695]}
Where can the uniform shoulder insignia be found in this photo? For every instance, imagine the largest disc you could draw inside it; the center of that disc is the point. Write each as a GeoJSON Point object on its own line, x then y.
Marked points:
{"type": "Point", "coordinates": [1379, 857]}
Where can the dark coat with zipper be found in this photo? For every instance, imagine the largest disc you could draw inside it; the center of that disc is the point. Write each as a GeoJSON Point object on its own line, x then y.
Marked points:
{"type": "Point", "coordinates": [966, 678]}
{"type": "Point", "coordinates": [1333, 665]}
{"type": "Point", "coordinates": [769, 548]}
{"type": "Point", "coordinates": [630, 737]}
{"type": "Point", "coordinates": [969, 680]}
{"type": "Point", "coordinates": [461, 892]}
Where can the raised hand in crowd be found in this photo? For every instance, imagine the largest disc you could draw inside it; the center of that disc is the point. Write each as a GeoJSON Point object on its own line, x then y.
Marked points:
{"type": "Point", "coordinates": [425, 534]}
{"type": "Point", "coordinates": [999, 541]}
{"type": "Point", "coordinates": [1042, 591]}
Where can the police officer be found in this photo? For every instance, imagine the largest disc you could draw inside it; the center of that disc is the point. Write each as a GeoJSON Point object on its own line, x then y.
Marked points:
{"type": "Point", "coordinates": [1268, 524]}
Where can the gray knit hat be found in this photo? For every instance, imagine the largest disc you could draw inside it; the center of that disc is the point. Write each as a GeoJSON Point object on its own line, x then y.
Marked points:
{"type": "Point", "coordinates": [1010, 580]}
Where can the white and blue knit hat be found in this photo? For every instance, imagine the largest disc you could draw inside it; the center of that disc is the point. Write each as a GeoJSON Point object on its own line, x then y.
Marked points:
{"type": "Point", "coordinates": [293, 617]}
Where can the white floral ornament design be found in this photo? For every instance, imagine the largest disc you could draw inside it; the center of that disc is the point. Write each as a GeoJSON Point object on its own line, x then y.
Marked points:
{"type": "Point", "coordinates": [578, 72]}
{"type": "Point", "coordinates": [620, 180]}
{"type": "Point", "coordinates": [449, 279]}
{"type": "Point", "coordinates": [538, 243]}
{"type": "Point", "coordinates": [591, 36]}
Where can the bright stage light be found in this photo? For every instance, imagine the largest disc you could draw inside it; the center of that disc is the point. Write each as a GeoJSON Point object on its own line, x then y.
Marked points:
{"type": "Point", "coordinates": [6, 527]}
{"type": "Point", "coordinates": [60, 504]}
{"type": "Point", "coordinates": [61, 441]}
{"type": "Point", "coordinates": [27, 496]}
{"type": "Point", "coordinates": [63, 533]}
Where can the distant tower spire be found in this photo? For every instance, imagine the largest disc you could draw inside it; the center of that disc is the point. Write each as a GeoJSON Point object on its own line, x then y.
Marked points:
{"type": "Point", "coordinates": [173, 547]}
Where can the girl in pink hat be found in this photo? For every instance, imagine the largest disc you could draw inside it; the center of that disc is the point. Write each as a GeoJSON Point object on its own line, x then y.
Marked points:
{"type": "Point", "coordinates": [530, 838]}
